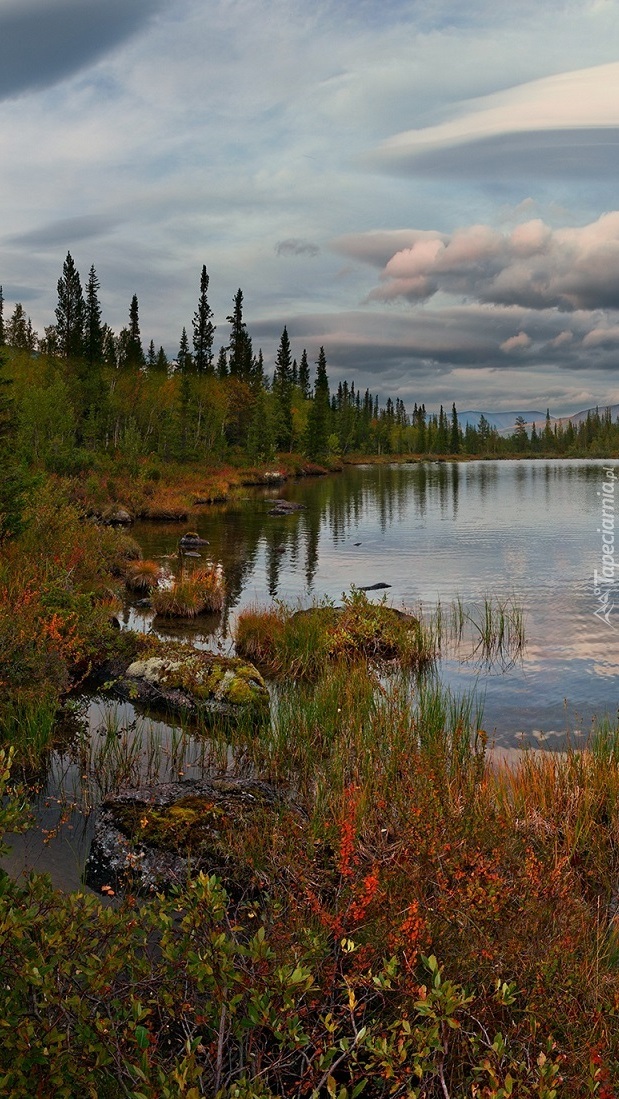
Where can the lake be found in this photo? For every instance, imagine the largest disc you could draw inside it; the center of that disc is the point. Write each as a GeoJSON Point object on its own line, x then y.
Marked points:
{"type": "Point", "coordinates": [527, 531]}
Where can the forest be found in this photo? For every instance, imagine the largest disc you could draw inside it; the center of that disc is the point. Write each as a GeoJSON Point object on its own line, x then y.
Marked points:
{"type": "Point", "coordinates": [83, 397]}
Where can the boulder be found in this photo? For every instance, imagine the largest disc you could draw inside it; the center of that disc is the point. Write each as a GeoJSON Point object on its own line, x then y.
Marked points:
{"type": "Point", "coordinates": [153, 838]}
{"type": "Point", "coordinates": [286, 507]}
{"type": "Point", "coordinates": [117, 517]}
{"type": "Point", "coordinates": [179, 678]}
{"type": "Point", "coordinates": [191, 539]}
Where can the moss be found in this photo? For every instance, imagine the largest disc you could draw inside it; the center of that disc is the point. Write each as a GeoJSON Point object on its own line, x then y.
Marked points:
{"type": "Point", "coordinates": [204, 676]}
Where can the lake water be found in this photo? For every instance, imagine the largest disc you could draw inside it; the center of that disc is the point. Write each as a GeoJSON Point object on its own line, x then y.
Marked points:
{"type": "Point", "coordinates": [435, 532]}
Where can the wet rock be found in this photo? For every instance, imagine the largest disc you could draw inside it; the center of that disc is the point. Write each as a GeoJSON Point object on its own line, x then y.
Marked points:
{"type": "Point", "coordinates": [179, 678]}
{"type": "Point", "coordinates": [273, 476]}
{"type": "Point", "coordinates": [117, 517]}
{"type": "Point", "coordinates": [154, 838]}
{"type": "Point", "coordinates": [191, 539]}
{"type": "Point", "coordinates": [286, 507]}
{"type": "Point", "coordinates": [375, 587]}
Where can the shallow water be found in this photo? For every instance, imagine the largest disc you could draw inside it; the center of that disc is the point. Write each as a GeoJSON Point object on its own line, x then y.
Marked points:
{"type": "Point", "coordinates": [434, 532]}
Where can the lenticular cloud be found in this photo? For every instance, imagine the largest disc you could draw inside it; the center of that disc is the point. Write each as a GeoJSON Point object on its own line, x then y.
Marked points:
{"type": "Point", "coordinates": [533, 266]}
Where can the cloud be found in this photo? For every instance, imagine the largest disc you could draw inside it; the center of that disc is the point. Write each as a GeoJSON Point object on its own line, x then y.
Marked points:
{"type": "Point", "coordinates": [516, 343]}
{"type": "Point", "coordinates": [602, 337]}
{"type": "Point", "coordinates": [295, 247]}
{"type": "Point", "coordinates": [43, 43]}
{"type": "Point", "coordinates": [562, 124]}
{"type": "Point", "coordinates": [533, 266]}
{"type": "Point", "coordinates": [66, 231]}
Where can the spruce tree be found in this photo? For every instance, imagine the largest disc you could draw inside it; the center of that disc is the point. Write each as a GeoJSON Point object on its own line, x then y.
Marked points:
{"type": "Point", "coordinates": [184, 357]}
{"type": "Point", "coordinates": [17, 329]}
{"type": "Point", "coordinates": [222, 363]}
{"type": "Point", "coordinates": [134, 355]}
{"type": "Point", "coordinates": [304, 376]}
{"type": "Point", "coordinates": [203, 329]}
{"type": "Point", "coordinates": [282, 394]}
{"type": "Point", "coordinates": [2, 335]}
{"type": "Point", "coordinates": [161, 364]}
{"type": "Point", "coordinates": [239, 348]}
{"type": "Point", "coordinates": [93, 329]}
{"type": "Point", "coordinates": [70, 311]}
{"type": "Point", "coordinates": [151, 358]}
{"type": "Point", "coordinates": [454, 444]}
{"type": "Point", "coordinates": [317, 434]}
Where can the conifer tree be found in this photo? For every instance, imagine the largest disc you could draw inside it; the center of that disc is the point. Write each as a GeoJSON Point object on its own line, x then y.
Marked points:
{"type": "Point", "coordinates": [2, 333]}
{"type": "Point", "coordinates": [17, 329]}
{"type": "Point", "coordinates": [240, 349]}
{"type": "Point", "coordinates": [317, 434]}
{"type": "Point", "coordinates": [134, 353]}
{"type": "Point", "coordinates": [93, 329]}
{"type": "Point", "coordinates": [203, 329]}
{"type": "Point", "coordinates": [161, 363]}
{"type": "Point", "coordinates": [184, 357]}
{"type": "Point", "coordinates": [70, 311]}
{"type": "Point", "coordinates": [222, 363]}
{"type": "Point", "coordinates": [282, 394]}
{"type": "Point", "coordinates": [454, 444]}
{"type": "Point", "coordinates": [304, 376]}
{"type": "Point", "coordinates": [151, 358]}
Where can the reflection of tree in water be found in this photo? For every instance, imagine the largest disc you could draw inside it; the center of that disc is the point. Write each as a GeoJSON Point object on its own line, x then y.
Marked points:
{"type": "Point", "coordinates": [455, 487]}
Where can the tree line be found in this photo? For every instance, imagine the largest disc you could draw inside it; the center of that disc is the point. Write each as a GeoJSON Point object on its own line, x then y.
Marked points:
{"type": "Point", "coordinates": [81, 388]}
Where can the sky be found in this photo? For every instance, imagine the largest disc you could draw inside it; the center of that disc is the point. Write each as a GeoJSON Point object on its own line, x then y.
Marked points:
{"type": "Point", "coordinates": [425, 187]}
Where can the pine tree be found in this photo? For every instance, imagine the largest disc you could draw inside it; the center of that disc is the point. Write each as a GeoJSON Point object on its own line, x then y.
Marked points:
{"type": "Point", "coordinates": [282, 394]}
{"type": "Point", "coordinates": [304, 376]}
{"type": "Point", "coordinates": [317, 434]}
{"type": "Point", "coordinates": [203, 329]}
{"type": "Point", "coordinates": [240, 349]}
{"type": "Point", "coordinates": [93, 329]}
{"type": "Point", "coordinates": [134, 355]}
{"type": "Point", "coordinates": [2, 335]}
{"type": "Point", "coordinates": [184, 357]}
{"type": "Point", "coordinates": [161, 364]}
{"type": "Point", "coordinates": [222, 364]}
{"type": "Point", "coordinates": [454, 443]}
{"type": "Point", "coordinates": [151, 358]}
{"type": "Point", "coordinates": [70, 311]}
{"type": "Point", "coordinates": [17, 329]}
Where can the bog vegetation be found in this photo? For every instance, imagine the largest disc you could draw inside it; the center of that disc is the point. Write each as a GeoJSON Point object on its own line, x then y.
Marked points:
{"type": "Point", "coordinates": [417, 920]}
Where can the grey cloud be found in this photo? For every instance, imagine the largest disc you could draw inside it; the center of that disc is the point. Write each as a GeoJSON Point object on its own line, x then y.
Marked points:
{"type": "Point", "coordinates": [555, 154]}
{"type": "Point", "coordinates": [296, 247]}
{"type": "Point", "coordinates": [533, 266]}
{"type": "Point", "coordinates": [42, 43]}
{"type": "Point", "coordinates": [378, 246]}
{"type": "Point", "coordinates": [66, 231]}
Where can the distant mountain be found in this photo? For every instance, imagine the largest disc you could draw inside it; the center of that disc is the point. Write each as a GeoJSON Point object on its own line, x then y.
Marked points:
{"type": "Point", "coordinates": [505, 422]}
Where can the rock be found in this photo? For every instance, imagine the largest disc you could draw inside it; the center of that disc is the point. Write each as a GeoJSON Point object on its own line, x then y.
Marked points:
{"type": "Point", "coordinates": [191, 539]}
{"type": "Point", "coordinates": [155, 837]}
{"type": "Point", "coordinates": [272, 476]}
{"type": "Point", "coordinates": [286, 507]}
{"type": "Point", "coordinates": [117, 517]}
{"type": "Point", "coordinates": [375, 587]}
{"type": "Point", "coordinates": [177, 677]}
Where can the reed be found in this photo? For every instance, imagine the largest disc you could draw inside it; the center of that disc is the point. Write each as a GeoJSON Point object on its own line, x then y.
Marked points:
{"type": "Point", "coordinates": [202, 592]}
{"type": "Point", "coordinates": [142, 576]}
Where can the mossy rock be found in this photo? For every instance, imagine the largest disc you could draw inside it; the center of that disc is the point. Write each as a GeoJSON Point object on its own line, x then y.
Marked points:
{"type": "Point", "coordinates": [181, 678]}
{"type": "Point", "coordinates": [154, 838]}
